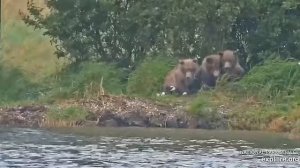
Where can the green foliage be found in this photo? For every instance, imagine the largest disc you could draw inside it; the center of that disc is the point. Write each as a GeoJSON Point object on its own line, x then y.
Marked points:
{"type": "Point", "coordinates": [266, 93]}
{"type": "Point", "coordinates": [69, 114]}
{"type": "Point", "coordinates": [87, 79]}
{"type": "Point", "coordinates": [148, 78]}
{"type": "Point", "coordinates": [126, 31]}
{"type": "Point", "coordinates": [14, 86]}
{"type": "Point", "coordinates": [27, 49]}
{"type": "Point", "coordinates": [201, 107]}
{"type": "Point", "coordinates": [274, 78]}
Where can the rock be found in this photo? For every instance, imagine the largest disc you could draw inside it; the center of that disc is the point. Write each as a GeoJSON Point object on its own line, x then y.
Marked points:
{"type": "Point", "coordinates": [156, 122]}
{"type": "Point", "coordinates": [182, 123]}
{"type": "Point", "coordinates": [136, 122]}
{"type": "Point", "coordinates": [109, 123]}
{"type": "Point", "coordinates": [135, 118]}
{"type": "Point", "coordinates": [204, 124]}
{"type": "Point", "coordinates": [171, 122]}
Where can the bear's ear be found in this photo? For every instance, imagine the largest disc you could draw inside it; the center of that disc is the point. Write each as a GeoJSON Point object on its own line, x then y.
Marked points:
{"type": "Point", "coordinates": [209, 60]}
{"type": "Point", "coordinates": [195, 60]}
{"type": "Point", "coordinates": [181, 62]}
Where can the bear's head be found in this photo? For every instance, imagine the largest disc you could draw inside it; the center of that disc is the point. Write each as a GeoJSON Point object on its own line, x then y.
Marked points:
{"type": "Point", "coordinates": [229, 60]}
{"type": "Point", "coordinates": [212, 65]}
{"type": "Point", "coordinates": [189, 68]}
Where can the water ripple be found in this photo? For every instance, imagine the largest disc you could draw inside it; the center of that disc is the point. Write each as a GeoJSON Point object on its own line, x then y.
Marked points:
{"type": "Point", "coordinates": [36, 148]}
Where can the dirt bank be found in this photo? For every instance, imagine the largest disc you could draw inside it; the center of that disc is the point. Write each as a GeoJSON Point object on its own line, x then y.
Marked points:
{"type": "Point", "coordinates": [117, 111]}
{"type": "Point", "coordinates": [23, 116]}
{"type": "Point", "coordinates": [107, 110]}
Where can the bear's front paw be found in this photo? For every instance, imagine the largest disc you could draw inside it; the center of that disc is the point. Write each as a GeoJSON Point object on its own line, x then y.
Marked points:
{"type": "Point", "coordinates": [173, 88]}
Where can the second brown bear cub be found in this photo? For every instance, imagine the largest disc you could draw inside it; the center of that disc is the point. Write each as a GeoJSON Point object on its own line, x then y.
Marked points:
{"type": "Point", "coordinates": [182, 77]}
{"type": "Point", "coordinates": [210, 71]}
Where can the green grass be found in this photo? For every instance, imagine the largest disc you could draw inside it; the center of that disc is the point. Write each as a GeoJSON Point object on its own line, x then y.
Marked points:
{"type": "Point", "coordinates": [69, 114]}
{"type": "Point", "coordinates": [67, 117]}
{"type": "Point", "coordinates": [27, 49]}
{"type": "Point", "coordinates": [266, 93]}
{"type": "Point", "coordinates": [15, 87]}
{"type": "Point", "coordinates": [86, 80]}
{"type": "Point", "coordinates": [149, 76]}
{"type": "Point", "coordinates": [274, 77]}
{"type": "Point", "coordinates": [30, 72]}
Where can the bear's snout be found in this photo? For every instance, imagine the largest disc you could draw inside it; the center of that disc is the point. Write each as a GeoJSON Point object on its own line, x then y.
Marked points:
{"type": "Point", "coordinates": [189, 76]}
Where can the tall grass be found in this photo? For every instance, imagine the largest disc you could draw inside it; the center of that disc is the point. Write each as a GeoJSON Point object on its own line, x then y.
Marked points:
{"type": "Point", "coordinates": [273, 78]}
{"type": "Point", "coordinates": [85, 80]}
{"type": "Point", "coordinates": [260, 100]}
{"type": "Point", "coordinates": [149, 76]}
{"type": "Point", "coordinates": [68, 117]}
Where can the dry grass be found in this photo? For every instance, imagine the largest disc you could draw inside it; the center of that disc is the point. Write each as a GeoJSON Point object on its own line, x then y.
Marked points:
{"type": "Point", "coordinates": [48, 123]}
{"type": "Point", "coordinates": [278, 125]}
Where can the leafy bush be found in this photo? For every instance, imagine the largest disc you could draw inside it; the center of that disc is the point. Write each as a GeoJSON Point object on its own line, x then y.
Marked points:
{"type": "Point", "coordinates": [88, 79]}
{"type": "Point", "coordinates": [14, 86]}
{"type": "Point", "coordinates": [201, 107]}
{"type": "Point", "coordinates": [274, 78]}
{"type": "Point", "coordinates": [149, 76]}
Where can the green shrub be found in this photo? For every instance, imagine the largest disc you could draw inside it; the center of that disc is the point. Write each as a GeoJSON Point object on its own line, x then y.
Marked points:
{"type": "Point", "coordinates": [202, 106]}
{"type": "Point", "coordinates": [273, 78]}
{"type": "Point", "coordinates": [148, 78]}
{"type": "Point", "coordinates": [15, 87]}
{"type": "Point", "coordinates": [87, 79]}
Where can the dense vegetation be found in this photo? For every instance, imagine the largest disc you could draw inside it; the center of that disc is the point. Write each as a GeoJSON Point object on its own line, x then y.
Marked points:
{"type": "Point", "coordinates": [128, 31]}
{"type": "Point", "coordinates": [128, 46]}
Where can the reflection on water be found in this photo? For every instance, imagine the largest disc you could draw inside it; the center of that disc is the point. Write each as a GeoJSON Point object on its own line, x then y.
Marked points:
{"type": "Point", "coordinates": [132, 147]}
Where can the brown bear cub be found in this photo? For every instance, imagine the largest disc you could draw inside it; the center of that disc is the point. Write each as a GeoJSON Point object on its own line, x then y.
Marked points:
{"type": "Point", "coordinates": [231, 67]}
{"type": "Point", "coordinates": [210, 71]}
{"type": "Point", "coordinates": [181, 78]}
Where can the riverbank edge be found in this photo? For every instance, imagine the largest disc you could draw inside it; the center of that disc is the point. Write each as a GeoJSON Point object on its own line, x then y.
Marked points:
{"type": "Point", "coordinates": [113, 111]}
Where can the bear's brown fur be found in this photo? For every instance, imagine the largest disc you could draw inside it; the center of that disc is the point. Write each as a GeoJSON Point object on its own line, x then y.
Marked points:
{"type": "Point", "coordinates": [230, 65]}
{"type": "Point", "coordinates": [181, 78]}
{"type": "Point", "coordinates": [210, 70]}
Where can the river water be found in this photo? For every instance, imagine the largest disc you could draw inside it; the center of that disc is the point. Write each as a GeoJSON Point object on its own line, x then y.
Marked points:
{"type": "Point", "coordinates": [144, 147]}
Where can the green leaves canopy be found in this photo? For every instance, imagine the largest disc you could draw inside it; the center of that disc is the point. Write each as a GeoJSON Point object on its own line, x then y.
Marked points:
{"type": "Point", "coordinates": [128, 31]}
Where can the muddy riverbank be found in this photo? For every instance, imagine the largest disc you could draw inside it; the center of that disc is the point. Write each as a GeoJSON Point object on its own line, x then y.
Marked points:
{"type": "Point", "coordinates": [115, 111]}
{"type": "Point", "coordinates": [112, 111]}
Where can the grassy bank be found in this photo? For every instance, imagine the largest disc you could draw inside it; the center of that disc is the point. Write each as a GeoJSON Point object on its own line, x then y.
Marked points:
{"type": "Point", "coordinates": [264, 99]}
{"type": "Point", "coordinates": [267, 98]}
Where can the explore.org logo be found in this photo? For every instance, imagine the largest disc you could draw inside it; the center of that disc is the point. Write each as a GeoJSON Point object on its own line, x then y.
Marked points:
{"type": "Point", "coordinates": [280, 159]}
